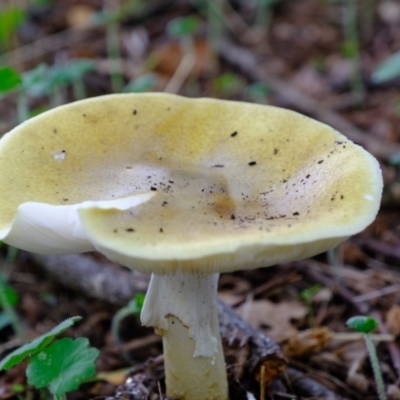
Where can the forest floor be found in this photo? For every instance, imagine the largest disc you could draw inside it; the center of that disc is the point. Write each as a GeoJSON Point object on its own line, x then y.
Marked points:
{"type": "Point", "coordinates": [312, 56]}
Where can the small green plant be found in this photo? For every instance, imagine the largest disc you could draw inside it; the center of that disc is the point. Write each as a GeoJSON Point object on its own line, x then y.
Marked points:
{"type": "Point", "coordinates": [144, 83]}
{"type": "Point", "coordinates": [61, 365]}
{"type": "Point", "coordinates": [9, 78]}
{"type": "Point", "coordinates": [366, 325]}
{"type": "Point", "coordinates": [228, 84]}
{"type": "Point", "coordinates": [351, 46]}
{"type": "Point", "coordinates": [45, 80]}
{"type": "Point", "coordinates": [183, 29]}
{"type": "Point", "coordinates": [257, 92]}
{"type": "Point", "coordinates": [264, 13]}
{"type": "Point", "coordinates": [10, 20]}
{"type": "Point", "coordinates": [307, 295]}
{"type": "Point", "coordinates": [114, 46]}
{"type": "Point", "coordinates": [134, 307]}
{"type": "Point", "coordinates": [8, 300]}
{"type": "Point", "coordinates": [388, 69]}
{"type": "Point", "coordinates": [9, 297]}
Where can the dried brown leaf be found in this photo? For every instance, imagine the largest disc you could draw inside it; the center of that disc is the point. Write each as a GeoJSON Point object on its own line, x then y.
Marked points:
{"type": "Point", "coordinates": [308, 342]}
{"type": "Point", "coordinates": [170, 54]}
{"type": "Point", "coordinates": [274, 319]}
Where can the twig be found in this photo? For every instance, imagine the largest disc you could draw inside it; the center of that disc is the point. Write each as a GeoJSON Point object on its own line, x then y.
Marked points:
{"type": "Point", "coordinates": [348, 336]}
{"type": "Point", "coordinates": [299, 381]}
{"type": "Point", "coordinates": [118, 286]}
{"type": "Point", "coordinates": [256, 70]}
{"type": "Point", "coordinates": [182, 72]}
{"type": "Point", "coordinates": [97, 279]}
{"type": "Point", "coordinates": [377, 293]}
{"type": "Point", "coordinates": [380, 247]}
{"type": "Point", "coordinates": [48, 44]}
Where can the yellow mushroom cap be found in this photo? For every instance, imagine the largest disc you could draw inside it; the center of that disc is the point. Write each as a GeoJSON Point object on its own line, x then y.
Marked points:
{"type": "Point", "coordinates": [215, 185]}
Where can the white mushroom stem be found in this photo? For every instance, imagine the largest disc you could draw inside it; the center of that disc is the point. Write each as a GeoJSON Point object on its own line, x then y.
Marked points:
{"type": "Point", "coordinates": [182, 308]}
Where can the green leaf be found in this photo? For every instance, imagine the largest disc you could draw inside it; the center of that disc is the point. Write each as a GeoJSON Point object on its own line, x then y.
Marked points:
{"type": "Point", "coordinates": [228, 84]}
{"type": "Point", "coordinates": [38, 110]}
{"type": "Point", "coordinates": [31, 348]}
{"type": "Point", "coordinates": [34, 81]}
{"type": "Point", "coordinates": [181, 27]}
{"type": "Point", "coordinates": [10, 294]}
{"type": "Point", "coordinates": [134, 307]}
{"type": "Point", "coordinates": [139, 301]}
{"type": "Point", "coordinates": [79, 67]}
{"type": "Point", "coordinates": [349, 48]}
{"type": "Point", "coordinates": [63, 365]}
{"type": "Point", "coordinates": [141, 84]}
{"type": "Point", "coordinates": [308, 294]}
{"type": "Point", "coordinates": [10, 19]}
{"type": "Point", "coordinates": [387, 70]}
{"type": "Point", "coordinates": [17, 388]}
{"type": "Point", "coordinates": [362, 324]}
{"type": "Point", "coordinates": [42, 80]}
{"type": "Point", "coordinates": [257, 91]}
{"type": "Point", "coordinates": [9, 79]}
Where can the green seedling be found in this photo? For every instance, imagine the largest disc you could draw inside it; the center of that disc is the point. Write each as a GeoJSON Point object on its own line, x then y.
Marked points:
{"type": "Point", "coordinates": [216, 23]}
{"type": "Point", "coordinates": [257, 92]}
{"type": "Point", "coordinates": [60, 365]}
{"type": "Point", "coordinates": [307, 296]}
{"type": "Point", "coordinates": [351, 46]}
{"type": "Point", "coordinates": [388, 69]}
{"type": "Point", "coordinates": [18, 388]}
{"type": "Point", "coordinates": [111, 20]}
{"type": "Point", "coordinates": [134, 307]}
{"type": "Point", "coordinates": [45, 81]}
{"type": "Point", "coordinates": [51, 81]}
{"type": "Point", "coordinates": [8, 300]}
{"type": "Point", "coordinates": [264, 13]}
{"type": "Point", "coordinates": [73, 73]}
{"type": "Point", "coordinates": [144, 83]}
{"type": "Point", "coordinates": [9, 79]}
{"type": "Point", "coordinates": [183, 29]}
{"type": "Point", "coordinates": [10, 19]}
{"type": "Point", "coordinates": [213, 13]}
{"type": "Point", "coordinates": [228, 84]}
{"type": "Point", "coordinates": [366, 325]}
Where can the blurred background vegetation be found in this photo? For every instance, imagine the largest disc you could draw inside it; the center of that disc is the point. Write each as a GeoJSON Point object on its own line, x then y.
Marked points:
{"type": "Point", "coordinates": [335, 60]}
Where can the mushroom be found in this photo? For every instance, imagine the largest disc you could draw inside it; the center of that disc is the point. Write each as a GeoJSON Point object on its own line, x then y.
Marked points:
{"type": "Point", "coordinates": [183, 189]}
